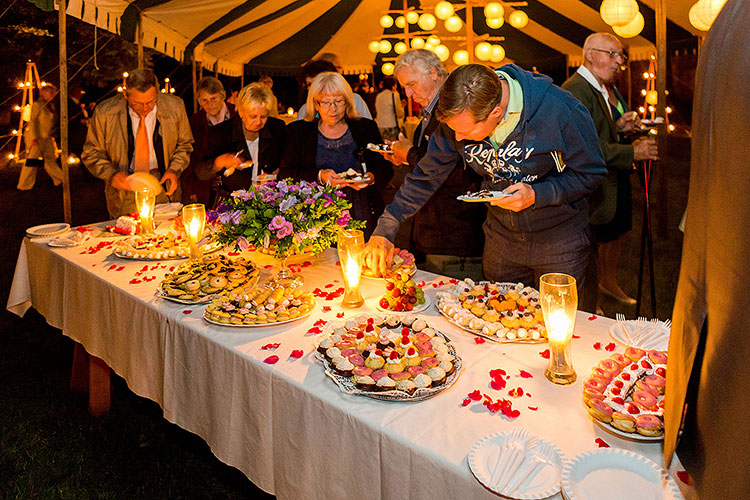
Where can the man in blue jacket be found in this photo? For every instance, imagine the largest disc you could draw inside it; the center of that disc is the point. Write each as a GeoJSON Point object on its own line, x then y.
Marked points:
{"type": "Point", "coordinates": [527, 138]}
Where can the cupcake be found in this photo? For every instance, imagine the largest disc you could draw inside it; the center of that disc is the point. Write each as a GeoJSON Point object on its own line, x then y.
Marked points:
{"type": "Point", "coordinates": [422, 381]}
{"type": "Point", "coordinates": [385, 384]}
{"type": "Point", "coordinates": [407, 386]}
{"type": "Point", "coordinates": [362, 371]}
{"type": "Point", "coordinates": [411, 358]}
{"type": "Point", "coordinates": [419, 325]}
{"type": "Point", "coordinates": [365, 383]}
{"type": "Point", "coordinates": [357, 360]}
{"type": "Point", "coordinates": [375, 360]}
{"type": "Point", "coordinates": [371, 333]}
{"type": "Point", "coordinates": [437, 375]}
{"type": "Point", "coordinates": [394, 363]}
{"type": "Point", "coordinates": [384, 342]}
{"type": "Point", "coordinates": [393, 321]}
{"type": "Point", "coordinates": [378, 321]}
{"type": "Point", "coordinates": [344, 367]}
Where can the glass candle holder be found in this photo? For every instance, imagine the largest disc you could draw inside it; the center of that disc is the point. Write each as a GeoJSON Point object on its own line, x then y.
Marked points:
{"type": "Point", "coordinates": [194, 220]}
{"type": "Point", "coordinates": [558, 297]}
{"type": "Point", "coordinates": [351, 248]}
{"type": "Point", "coordinates": [145, 201]}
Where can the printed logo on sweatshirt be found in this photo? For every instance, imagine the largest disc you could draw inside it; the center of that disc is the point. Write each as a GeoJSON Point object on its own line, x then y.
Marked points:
{"type": "Point", "coordinates": [505, 162]}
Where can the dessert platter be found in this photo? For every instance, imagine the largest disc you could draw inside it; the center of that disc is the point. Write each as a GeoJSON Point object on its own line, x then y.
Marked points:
{"type": "Point", "coordinates": [403, 262]}
{"type": "Point", "coordinates": [380, 148]}
{"type": "Point", "coordinates": [392, 358]}
{"type": "Point", "coordinates": [517, 464]}
{"type": "Point", "coordinates": [259, 306]}
{"type": "Point", "coordinates": [198, 281]}
{"type": "Point", "coordinates": [485, 195]}
{"type": "Point", "coordinates": [403, 294]}
{"type": "Point", "coordinates": [165, 246]}
{"type": "Point", "coordinates": [625, 394]}
{"type": "Point", "coordinates": [126, 225]}
{"type": "Point", "coordinates": [501, 312]}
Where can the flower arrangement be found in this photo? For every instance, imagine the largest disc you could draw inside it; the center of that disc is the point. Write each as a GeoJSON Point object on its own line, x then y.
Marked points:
{"type": "Point", "coordinates": [288, 217]}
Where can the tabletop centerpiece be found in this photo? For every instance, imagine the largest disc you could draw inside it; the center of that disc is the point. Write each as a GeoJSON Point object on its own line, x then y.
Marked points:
{"type": "Point", "coordinates": [283, 216]}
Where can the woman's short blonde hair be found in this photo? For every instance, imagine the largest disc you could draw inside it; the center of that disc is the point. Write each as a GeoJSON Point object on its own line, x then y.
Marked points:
{"type": "Point", "coordinates": [255, 94]}
{"type": "Point", "coordinates": [329, 83]}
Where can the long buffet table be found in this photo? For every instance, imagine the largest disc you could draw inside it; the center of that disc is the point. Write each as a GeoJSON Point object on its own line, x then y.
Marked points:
{"type": "Point", "coordinates": [286, 426]}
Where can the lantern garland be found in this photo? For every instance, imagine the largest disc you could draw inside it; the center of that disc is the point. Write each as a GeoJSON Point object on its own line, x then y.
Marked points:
{"type": "Point", "coordinates": [30, 82]}
{"type": "Point", "coordinates": [651, 96]}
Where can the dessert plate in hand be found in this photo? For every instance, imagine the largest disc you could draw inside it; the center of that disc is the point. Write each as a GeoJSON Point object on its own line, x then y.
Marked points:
{"type": "Point", "coordinates": [484, 195]}
{"type": "Point", "coordinates": [616, 474]}
{"type": "Point", "coordinates": [47, 230]}
{"type": "Point", "coordinates": [380, 148]}
{"type": "Point", "coordinates": [642, 333]}
{"type": "Point", "coordinates": [517, 464]}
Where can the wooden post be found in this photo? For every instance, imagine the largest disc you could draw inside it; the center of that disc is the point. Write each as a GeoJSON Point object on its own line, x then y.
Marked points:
{"type": "Point", "coordinates": [62, 18]}
{"type": "Point", "coordinates": [470, 30]}
{"type": "Point", "coordinates": [662, 218]}
{"type": "Point", "coordinates": [140, 40]}
{"type": "Point", "coordinates": [195, 84]}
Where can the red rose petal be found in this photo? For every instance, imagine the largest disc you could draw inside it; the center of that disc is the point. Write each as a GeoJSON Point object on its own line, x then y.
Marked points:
{"type": "Point", "coordinates": [329, 285]}
{"type": "Point", "coordinates": [187, 311]}
{"type": "Point", "coordinates": [592, 317]}
{"type": "Point", "coordinates": [479, 340]}
{"type": "Point", "coordinates": [497, 372]}
{"type": "Point", "coordinates": [576, 336]}
{"type": "Point", "coordinates": [466, 402]}
{"type": "Point", "coordinates": [267, 266]}
{"type": "Point", "coordinates": [526, 374]}
{"type": "Point", "coordinates": [325, 309]}
{"type": "Point", "coordinates": [598, 346]}
{"type": "Point", "coordinates": [476, 395]}
{"type": "Point", "coordinates": [338, 263]}
{"type": "Point", "coordinates": [233, 254]}
{"type": "Point", "coordinates": [544, 354]}
{"type": "Point", "coordinates": [271, 360]}
{"type": "Point", "coordinates": [307, 263]}
{"type": "Point", "coordinates": [683, 476]}
{"type": "Point", "coordinates": [134, 281]}
{"type": "Point", "coordinates": [340, 315]}
{"type": "Point", "coordinates": [601, 443]}
{"type": "Point", "coordinates": [113, 266]}
{"type": "Point", "coordinates": [533, 408]}
{"type": "Point", "coordinates": [610, 347]}
{"type": "Point", "coordinates": [528, 394]}
{"type": "Point", "coordinates": [320, 322]}
{"type": "Point", "coordinates": [498, 384]}
{"type": "Point", "coordinates": [453, 281]}
{"type": "Point", "coordinates": [297, 353]}
{"type": "Point", "coordinates": [513, 414]}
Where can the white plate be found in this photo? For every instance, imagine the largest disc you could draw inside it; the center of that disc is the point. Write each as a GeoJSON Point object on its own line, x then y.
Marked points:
{"type": "Point", "coordinates": [616, 474]}
{"type": "Point", "coordinates": [483, 456]}
{"type": "Point", "coordinates": [473, 198]}
{"type": "Point", "coordinates": [417, 308]}
{"type": "Point", "coordinates": [642, 334]}
{"type": "Point", "coordinates": [260, 325]}
{"type": "Point", "coordinates": [47, 230]}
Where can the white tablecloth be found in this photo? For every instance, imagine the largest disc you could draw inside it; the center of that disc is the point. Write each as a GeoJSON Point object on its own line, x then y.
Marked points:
{"type": "Point", "coordinates": [286, 426]}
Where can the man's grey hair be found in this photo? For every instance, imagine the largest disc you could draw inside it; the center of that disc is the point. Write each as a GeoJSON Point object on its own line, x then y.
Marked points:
{"type": "Point", "coordinates": [593, 39]}
{"type": "Point", "coordinates": [421, 60]}
{"type": "Point", "coordinates": [141, 80]}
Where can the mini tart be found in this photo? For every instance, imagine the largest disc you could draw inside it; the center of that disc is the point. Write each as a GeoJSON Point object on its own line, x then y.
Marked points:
{"type": "Point", "coordinates": [385, 384]}
{"type": "Point", "coordinates": [408, 386]}
{"type": "Point", "coordinates": [437, 375]}
{"type": "Point", "coordinates": [422, 381]}
{"type": "Point", "coordinates": [364, 382]}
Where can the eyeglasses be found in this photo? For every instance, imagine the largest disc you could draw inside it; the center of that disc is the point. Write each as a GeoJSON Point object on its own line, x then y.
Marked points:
{"type": "Point", "coordinates": [613, 54]}
{"type": "Point", "coordinates": [329, 104]}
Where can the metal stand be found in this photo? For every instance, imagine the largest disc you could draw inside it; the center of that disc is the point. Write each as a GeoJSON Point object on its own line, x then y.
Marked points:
{"type": "Point", "coordinates": [647, 241]}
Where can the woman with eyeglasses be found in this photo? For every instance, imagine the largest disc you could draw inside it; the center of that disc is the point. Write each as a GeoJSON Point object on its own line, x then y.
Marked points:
{"type": "Point", "coordinates": [331, 141]}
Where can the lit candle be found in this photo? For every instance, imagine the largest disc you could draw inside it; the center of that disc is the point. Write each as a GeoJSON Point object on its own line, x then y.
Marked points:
{"type": "Point", "coordinates": [559, 327]}
{"type": "Point", "coordinates": [559, 299]}
{"type": "Point", "coordinates": [351, 246]}
{"type": "Point", "coordinates": [145, 201]}
{"type": "Point", "coordinates": [194, 220]}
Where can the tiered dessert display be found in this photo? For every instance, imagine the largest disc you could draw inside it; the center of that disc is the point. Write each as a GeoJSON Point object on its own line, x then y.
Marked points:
{"type": "Point", "coordinates": [502, 312]}
{"type": "Point", "coordinates": [396, 358]}
{"type": "Point", "coordinates": [198, 281]}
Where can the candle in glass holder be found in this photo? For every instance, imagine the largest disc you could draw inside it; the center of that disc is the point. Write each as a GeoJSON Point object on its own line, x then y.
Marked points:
{"type": "Point", "coordinates": [558, 297]}
{"type": "Point", "coordinates": [194, 220]}
{"type": "Point", "coordinates": [351, 247]}
{"type": "Point", "coordinates": [145, 201]}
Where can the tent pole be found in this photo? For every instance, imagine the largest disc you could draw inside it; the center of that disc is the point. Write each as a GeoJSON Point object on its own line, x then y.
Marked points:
{"type": "Point", "coordinates": [140, 40]}
{"type": "Point", "coordinates": [662, 220]}
{"type": "Point", "coordinates": [470, 30]}
{"type": "Point", "coordinates": [68, 214]}
{"type": "Point", "coordinates": [195, 84]}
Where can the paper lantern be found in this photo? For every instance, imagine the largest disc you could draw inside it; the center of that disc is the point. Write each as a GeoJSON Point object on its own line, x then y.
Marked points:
{"type": "Point", "coordinates": [461, 57]}
{"type": "Point", "coordinates": [483, 51]}
{"type": "Point", "coordinates": [444, 10]}
{"type": "Point", "coordinates": [417, 43]}
{"type": "Point", "coordinates": [493, 10]}
{"type": "Point", "coordinates": [495, 23]}
{"type": "Point", "coordinates": [400, 22]}
{"type": "Point", "coordinates": [442, 52]}
{"type": "Point", "coordinates": [387, 69]}
{"type": "Point", "coordinates": [518, 19]}
{"type": "Point", "coordinates": [374, 46]}
{"type": "Point", "coordinates": [695, 20]}
{"type": "Point", "coordinates": [412, 17]}
{"type": "Point", "coordinates": [454, 24]}
{"type": "Point", "coordinates": [652, 97]}
{"type": "Point", "coordinates": [386, 21]}
{"type": "Point", "coordinates": [427, 22]}
{"type": "Point", "coordinates": [632, 29]}
{"type": "Point", "coordinates": [385, 46]}
{"type": "Point", "coordinates": [400, 47]}
{"type": "Point", "coordinates": [433, 40]}
{"type": "Point", "coordinates": [618, 12]}
{"type": "Point", "coordinates": [707, 10]}
{"type": "Point", "coordinates": [498, 53]}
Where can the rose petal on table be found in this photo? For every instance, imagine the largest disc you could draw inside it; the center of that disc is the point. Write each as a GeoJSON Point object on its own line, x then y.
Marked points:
{"type": "Point", "coordinates": [121, 268]}
{"type": "Point", "coordinates": [466, 402]}
{"type": "Point", "coordinates": [113, 266]}
{"type": "Point", "coordinates": [453, 281]}
{"type": "Point", "coordinates": [498, 384]}
{"type": "Point", "coordinates": [340, 315]}
{"type": "Point", "coordinates": [233, 254]}
{"type": "Point", "coordinates": [296, 353]}
{"type": "Point", "coordinates": [516, 393]}
{"type": "Point", "coordinates": [271, 360]}
{"type": "Point", "coordinates": [497, 372]}
{"type": "Point", "coordinates": [592, 317]}
{"type": "Point", "coordinates": [313, 331]}
{"type": "Point", "coordinates": [513, 414]}
{"type": "Point", "coordinates": [576, 336]}
{"type": "Point", "coordinates": [479, 340]}
{"type": "Point", "coordinates": [598, 346]}
{"type": "Point", "coordinates": [602, 443]}
{"type": "Point", "coordinates": [434, 285]}
{"type": "Point", "coordinates": [134, 281]}
{"type": "Point", "coordinates": [320, 322]}
{"type": "Point", "coordinates": [610, 347]}
{"type": "Point", "coordinates": [338, 263]}
{"type": "Point", "coordinates": [475, 395]}
{"type": "Point", "coordinates": [525, 374]}
{"type": "Point", "coordinates": [267, 266]}
{"type": "Point", "coordinates": [544, 354]}
{"type": "Point", "coordinates": [187, 311]}
{"type": "Point", "coordinates": [528, 394]}
{"type": "Point", "coordinates": [683, 476]}
{"type": "Point", "coordinates": [533, 408]}
{"type": "Point", "coordinates": [325, 309]}
{"type": "Point", "coordinates": [307, 263]}
{"type": "Point", "coordinates": [329, 285]}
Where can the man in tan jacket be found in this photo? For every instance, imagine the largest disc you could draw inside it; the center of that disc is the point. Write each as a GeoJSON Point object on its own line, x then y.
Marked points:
{"type": "Point", "coordinates": [142, 130]}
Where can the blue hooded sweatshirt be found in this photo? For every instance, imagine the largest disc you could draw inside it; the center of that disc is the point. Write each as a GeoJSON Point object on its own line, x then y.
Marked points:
{"type": "Point", "coordinates": [552, 123]}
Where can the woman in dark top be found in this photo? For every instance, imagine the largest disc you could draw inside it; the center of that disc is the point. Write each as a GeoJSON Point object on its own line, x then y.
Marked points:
{"type": "Point", "coordinates": [331, 140]}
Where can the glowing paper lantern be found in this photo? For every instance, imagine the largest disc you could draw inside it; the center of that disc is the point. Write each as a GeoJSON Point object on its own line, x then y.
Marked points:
{"type": "Point", "coordinates": [400, 22]}
{"type": "Point", "coordinates": [412, 17]}
{"type": "Point", "coordinates": [495, 23]}
{"type": "Point", "coordinates": [498, 53]}
{"type": "Point", "coordinates": [442, 52]}
{"type": "Point", "coordinates": [444, 10]}
{"type": "Point", "coordinates": [632, 29]}
{"type": "Point", "coordinates": [707, 10]}
{"type": "Point", "coordinates": [461, 57]}
{"type": "Point", "coordinates": [374, 47]}
{"type": "Point", "coordinates": [400, 47]}
{"type": "Point", "coordinates": [386, 21]}
{"type": "Point", "coordinates": [518, 19]}
{"type": "Point", "coordinates": [454, 24]}
{"type": "Point", "coordinates": [385, 46]}
{"type": "Point", "coordinates": [493, 10]}
{"type": "Point", "coordinates": [695, 20]}
{"type": "Point", "coordinates": [428, 22]}
{"type": "Point", "coordinates": [387, 69]}
{"type": "Point", "coordinates": [618, 12]}
{"type": "Point", "coordinates": [483, 51]}
{"type": "Point", "coordinates": [433, 40]}
{"type": "Point", "coordinates": [652, 97]}
{"type": "Point", "coordinates": [417, 43]}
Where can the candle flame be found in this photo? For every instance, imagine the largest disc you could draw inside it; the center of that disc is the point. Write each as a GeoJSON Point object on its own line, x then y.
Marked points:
{"type": "Point", "coordinates": [352, 271]}
{"type": "Point", "coordinates": [559, 326]}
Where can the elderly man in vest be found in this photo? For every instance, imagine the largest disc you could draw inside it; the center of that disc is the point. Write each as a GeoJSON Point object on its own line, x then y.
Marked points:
{"type": "Point", "coordinates": [142, 130]}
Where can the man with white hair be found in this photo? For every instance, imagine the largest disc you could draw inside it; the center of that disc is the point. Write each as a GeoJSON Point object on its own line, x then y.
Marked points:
{"type": "Point", "coordinates": [421, 74]}
{"type": "Point", "coordinates": [611, 209]}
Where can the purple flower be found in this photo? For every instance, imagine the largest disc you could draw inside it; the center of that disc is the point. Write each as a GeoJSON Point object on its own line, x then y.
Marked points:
{"type": "Point", "coordinates": [222, 207]}
{"type": "Point", "coordinates": [288, 203]}
{"type": "Point", "coordinates": [282, 187]}
{"type": "Point", "coordinates": [344, 219]}
{"type": "Point", "coordinates": [309, 201]}
{"type": "Point", "coordinates": [340, 194]}
{"type": "Point", "coordinates": [242, 243]}
{"type": "Point", "coordinates": [277, 222]}
{"type": "Point", "coordinates": [234, 217]}
{"type": "Point", "coordinates": [285, 230]}
{"type": "Point", "coordinates": [211, 216]}
{"type": "Point", "coordinates": [269, 196]}
{"type": "Point", "coordinates": [306, 190]}
{"type": "Point", "coordinates": [243, 194]}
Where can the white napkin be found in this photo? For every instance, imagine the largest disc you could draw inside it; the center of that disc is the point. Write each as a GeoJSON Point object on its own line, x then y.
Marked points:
{"type": "Point", "coordinates": [71, 239]}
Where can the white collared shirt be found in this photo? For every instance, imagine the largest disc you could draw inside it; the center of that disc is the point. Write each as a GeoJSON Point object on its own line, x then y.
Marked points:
{"type": "Point", "coordinates": [135, 121]}
{"type": "Point", "coordinates": [589, 77]}
{"type": "Point", "coordinates": [221, 117]}
{"type": "Point", "coordinates": [252, 146]}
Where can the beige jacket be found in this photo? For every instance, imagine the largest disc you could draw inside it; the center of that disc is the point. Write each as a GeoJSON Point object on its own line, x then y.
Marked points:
{"type": "Point", "coordinates": [106, 149]}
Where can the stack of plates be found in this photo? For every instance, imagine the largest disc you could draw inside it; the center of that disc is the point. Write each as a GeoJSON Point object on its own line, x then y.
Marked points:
{"type": "Point", "coordinates": [616, 474]}
{"type": "Point", "coordinates": [48, 230]}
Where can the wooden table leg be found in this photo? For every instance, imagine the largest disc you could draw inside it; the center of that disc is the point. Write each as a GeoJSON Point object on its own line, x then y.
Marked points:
{"type": "Point", "coordinates": [91, 374]}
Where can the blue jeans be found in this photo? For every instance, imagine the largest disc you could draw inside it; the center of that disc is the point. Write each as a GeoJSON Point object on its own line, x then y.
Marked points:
{"type": "Point", "coordinates": [525, 261]}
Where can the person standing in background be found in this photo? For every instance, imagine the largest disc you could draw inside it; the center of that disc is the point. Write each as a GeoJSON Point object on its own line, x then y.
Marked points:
{"type": "Point", "coordinates": [313, 69]}
{"type": "Point", "coordinates": [268, 82]}
{"type": "Point", "coordinates": [388, 110]}
{"type": "Point", "coordinates": [41, 148]}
